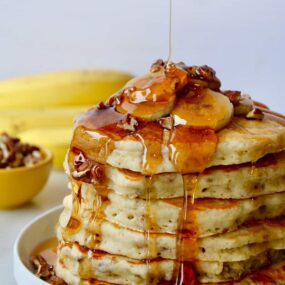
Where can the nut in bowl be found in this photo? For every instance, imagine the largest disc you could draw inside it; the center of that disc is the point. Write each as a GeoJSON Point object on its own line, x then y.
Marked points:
{"type": "Point", "coordinates": [24, 170]}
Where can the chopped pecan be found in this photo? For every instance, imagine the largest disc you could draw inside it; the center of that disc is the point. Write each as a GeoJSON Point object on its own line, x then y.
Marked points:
{"type": "Point", "coordinates": [116, 99]}
{"type": "Point", "coordinates": [43, 269]}
{"type": "Point", "coordinates": [203, 73]}
{"type": "Point", "coordinates": [129, 123]}
{"type": "Point", "coordinates": [255, 114]}
{"type": "Point", "coordinates": [13, 153]}
{"type": "Point", "coordinates": [166, 122]}
{"type": "Point", "coordinates": [129, 91]}
{"type": "Point", "coordinates": [98, 172]}
{"type": "Point", "coordinates": [79, 160]}
{"type": "Point", "coordinates": [82, 166]}
{"type": "Point", "coordinates": [26, 149]}
{"type": "Point", "coordinates": [54, 280]}
{"type": "Point", "coordinates": [156, 66]}
{"type": "Point", "coordinates": [244, 106]}
{"type": "Point", "coordinates": [5, 153]}
{"type": "Point", "coordinates": [101, 106]}
{"type": "Point", "coordinates": [46, 271]}
{"type": "Point", "coordinates": [80, 174]}
{"type": "Point", "coordinates": [234, 96]}
{"type": "Point", "coordinates": [86, 165]}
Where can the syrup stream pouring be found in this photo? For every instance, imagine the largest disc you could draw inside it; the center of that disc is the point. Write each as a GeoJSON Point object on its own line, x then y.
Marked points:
{"type": "Point", "coordinates": [170, 33]}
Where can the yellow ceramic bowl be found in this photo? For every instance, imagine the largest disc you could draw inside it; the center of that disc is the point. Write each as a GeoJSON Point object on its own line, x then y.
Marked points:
{"type": "Point", "coordinates": [19, 185]}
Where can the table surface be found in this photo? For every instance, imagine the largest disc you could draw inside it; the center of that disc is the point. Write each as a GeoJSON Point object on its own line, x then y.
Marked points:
{"type": "Point", "coordinates": [12, 221]}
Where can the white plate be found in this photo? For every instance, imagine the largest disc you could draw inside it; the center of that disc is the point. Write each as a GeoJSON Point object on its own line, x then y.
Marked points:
{"type": "Point", "coordinates": [37, 231]}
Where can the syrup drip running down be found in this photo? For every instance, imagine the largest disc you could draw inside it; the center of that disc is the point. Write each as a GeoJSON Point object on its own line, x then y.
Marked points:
{"type": "Point", "coordinates": [180, 278]}
{"type": "Point", "coordinates": [47, 249]}
{"type": "Point", "coordinates": [151, 249]}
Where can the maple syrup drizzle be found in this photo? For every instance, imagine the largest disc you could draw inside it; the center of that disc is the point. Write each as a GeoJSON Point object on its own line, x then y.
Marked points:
{"type": "Point", "coordinates": [180, 239]}
{"type": "Point", "coordinates": [96, 216]}
{"type": "Point", "coordinates": [186, 245]}
{"type": "Point", "coordinates": [149, 241]}
{"type": "Point", "coordinates": [74, 224]}
{"type": "Point", "coordinates": [191, 149]}
{"type": "Point", "coordinates": [279, 118]}
{"type": "Point", "coordinates": [151, 138]}
{"type": "Point", "coordinates": [47, 249]}
{"type": "Point", "coordinates": [96, 219]}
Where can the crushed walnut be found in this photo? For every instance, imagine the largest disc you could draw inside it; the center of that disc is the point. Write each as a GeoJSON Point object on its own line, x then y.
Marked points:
{"type": "Point", "coordinates": [14, 153]}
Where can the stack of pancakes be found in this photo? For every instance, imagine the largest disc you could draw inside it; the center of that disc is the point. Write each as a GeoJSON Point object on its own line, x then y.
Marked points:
{"type": "Point", "coordinates": [158, 198]}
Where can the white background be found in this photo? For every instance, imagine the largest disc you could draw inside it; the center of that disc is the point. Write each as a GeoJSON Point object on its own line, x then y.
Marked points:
{"type": "Point", "coordinates": [242, 39]}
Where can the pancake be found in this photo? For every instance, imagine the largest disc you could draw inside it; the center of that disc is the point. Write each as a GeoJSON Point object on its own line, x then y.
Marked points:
{"type": "Point", "coordinates": [255, 232]}
{"type": "Point", "coordinates": [239, 245]}
{"type": "Point", "coordinates": [77, 264]}
{"type": "Point", "coordinates": [271, 275]}
{"type": "Point", "coordinates": [242, 141]}
{"type": "Point", "coordinates": [231, 182]}
{"type": "Point", "coordinates": [212, 216]}
{"type": "Point", "coordinates": [215, 272]}
{"type": "Point", "coordinates": [74, 261]}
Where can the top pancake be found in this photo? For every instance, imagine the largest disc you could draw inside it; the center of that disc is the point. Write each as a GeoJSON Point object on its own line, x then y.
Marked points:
{"type": "Point", "coordinates": [240, 142]}
{"type": "Point", "coordinates": [175, 118]}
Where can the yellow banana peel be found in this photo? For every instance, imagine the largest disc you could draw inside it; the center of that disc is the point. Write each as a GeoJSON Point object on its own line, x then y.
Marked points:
{"type": "Point", "coordinates": [66, 88]}
{"type": "Point", "coordinates": [14, 121]}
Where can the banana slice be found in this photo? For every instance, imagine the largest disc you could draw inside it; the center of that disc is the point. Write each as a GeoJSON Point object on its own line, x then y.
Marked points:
{"type": "Point", "coordinates": [152, 95]}
{"type": "Point", "coordinates": [206, 109]}
{"type": "Point", "coordinates": [149, 111]}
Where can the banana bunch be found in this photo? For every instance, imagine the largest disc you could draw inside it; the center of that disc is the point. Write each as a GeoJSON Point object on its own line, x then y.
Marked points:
{"type": "Point", "coordinates": [40, 109]}
{"type": "Point", "coordinates": [15, 121]}
{"type": "Point", "coordinates": [66, 88]}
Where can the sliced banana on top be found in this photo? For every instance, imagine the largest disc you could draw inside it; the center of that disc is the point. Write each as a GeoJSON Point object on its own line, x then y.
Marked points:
{"type": "Point", "coordinates": [206, 109]}
{"type": "Point", "coordinates": [149, 111]}
{"type": "Point", "coordinates": [179, 91]}
{"type": "Point", "coordinates": [152, 95]}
